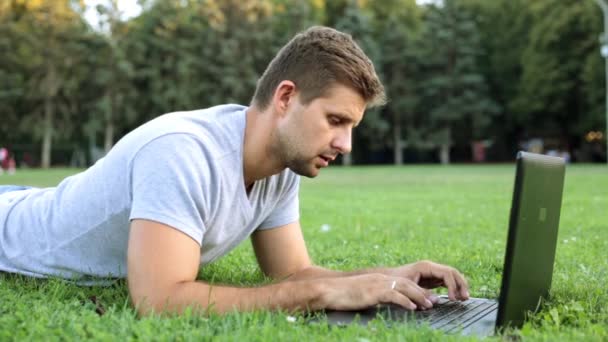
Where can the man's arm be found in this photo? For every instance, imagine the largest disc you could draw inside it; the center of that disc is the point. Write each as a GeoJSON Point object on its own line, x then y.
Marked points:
{"type": "Point", "coordinates": [163, 263]}
{"type": "Point", "coordinates": [282, 254]}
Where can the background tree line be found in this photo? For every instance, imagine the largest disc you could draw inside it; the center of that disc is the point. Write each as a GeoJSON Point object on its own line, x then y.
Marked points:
{"type": "Point", "coordinates": [492, 72]}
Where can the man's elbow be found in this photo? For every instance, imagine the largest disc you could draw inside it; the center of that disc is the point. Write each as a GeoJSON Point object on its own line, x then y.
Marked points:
{"type": "Point", "coordinates": [148, 304]}
{"type": "Point", "coordinates": [161, 302]}
{"type": "Point", "coordinates": [150, 301]}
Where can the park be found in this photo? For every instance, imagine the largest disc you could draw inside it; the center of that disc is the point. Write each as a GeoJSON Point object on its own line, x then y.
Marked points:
{"type": "Point", "coordinates": [430, 177]}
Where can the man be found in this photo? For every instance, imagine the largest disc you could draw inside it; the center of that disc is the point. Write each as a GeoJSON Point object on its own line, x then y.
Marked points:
{"type": "Point", "coordinates": [185, 188]}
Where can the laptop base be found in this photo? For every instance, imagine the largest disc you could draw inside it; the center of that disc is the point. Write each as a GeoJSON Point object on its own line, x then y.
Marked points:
{"type": "Point", "coordinates": [476, 316]}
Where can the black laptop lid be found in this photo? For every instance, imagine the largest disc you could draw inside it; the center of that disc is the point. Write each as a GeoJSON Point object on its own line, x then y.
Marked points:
{"type": "Point", "coordinates": [532, 239]}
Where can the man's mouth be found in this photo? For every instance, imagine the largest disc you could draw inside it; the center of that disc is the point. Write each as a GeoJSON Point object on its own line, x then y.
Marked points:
{"type": "Point", "coordinates": [327, 159]}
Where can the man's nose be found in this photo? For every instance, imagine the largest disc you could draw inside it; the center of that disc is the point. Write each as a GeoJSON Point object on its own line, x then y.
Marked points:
{"type": "Point", "coordinates": [343, 141]}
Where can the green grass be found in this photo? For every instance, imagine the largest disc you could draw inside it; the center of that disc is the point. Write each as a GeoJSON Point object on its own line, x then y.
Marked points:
{"type": "Point", "coordinates": [377, 216]}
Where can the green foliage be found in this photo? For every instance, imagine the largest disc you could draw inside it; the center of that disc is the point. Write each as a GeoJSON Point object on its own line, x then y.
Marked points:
{"type": "Point", "coordinates": [377, 216]}
{"type": "Point", "coordinates": [455, 72]}
{"type": "Point", "coordinates": [397, 28]}
{"type": "Point", "coordinates": [42, 45]}
{"type": "Point", "coordinates": [504, 28]}
{"type": "Point", "coordinates": [358, 23]}
{"type": "Point", "coordinates": [560, 63]}
{"type": "Point", "coordinates": [455, 91]}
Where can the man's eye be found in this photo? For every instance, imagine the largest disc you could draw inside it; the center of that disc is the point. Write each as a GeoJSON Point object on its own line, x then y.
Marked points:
{"type": "Point", "coordinates": [334, 121]}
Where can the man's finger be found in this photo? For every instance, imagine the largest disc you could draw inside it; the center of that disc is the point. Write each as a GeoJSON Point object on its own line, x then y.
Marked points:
{"type": "Point", "coordinates": [450, 283]}
{"type": "Point", "coordinates": [463, 286]}
{"type": "Point", "coordinates": [431, 296]}
{"type": "Point", "coordinates": [398, 298]}
{"type": "Point", "coordinates": [432, 274]}
{"type": "Point", "coordinates": [454, 281]}
{"type": "Point", "coordinates": [414, 292]}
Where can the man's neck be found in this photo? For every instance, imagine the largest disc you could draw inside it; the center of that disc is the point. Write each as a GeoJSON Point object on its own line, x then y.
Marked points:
{"type": "Point", "coordinates": [258, 161]}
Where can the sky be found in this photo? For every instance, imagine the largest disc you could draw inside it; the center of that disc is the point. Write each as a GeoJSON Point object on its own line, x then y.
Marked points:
{"type": "Point", "coordinates": [129, 9]}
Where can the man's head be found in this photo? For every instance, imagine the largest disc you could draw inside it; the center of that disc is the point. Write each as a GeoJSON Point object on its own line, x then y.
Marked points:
{"type": "Point", "coordinates": [309, 137]}
{"type": "Point", "coordinates": [317, 89]}
{"type": "Point", "coordinates": [317, 59]}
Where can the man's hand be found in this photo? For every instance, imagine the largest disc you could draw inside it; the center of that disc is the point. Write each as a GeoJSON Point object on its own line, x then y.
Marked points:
{"type": "Point", "coordinates": [366, 290]}
{"type": "Point", "coordinates": [163, 263]}
{"type": "Point", "coordinates": [430, 275]}
{"type": "Point", "coordinates": [282, 255]}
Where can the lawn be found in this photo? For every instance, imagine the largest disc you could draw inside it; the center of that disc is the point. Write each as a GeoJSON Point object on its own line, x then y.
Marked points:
{"type": "Point", "coordinates": [352, 218]}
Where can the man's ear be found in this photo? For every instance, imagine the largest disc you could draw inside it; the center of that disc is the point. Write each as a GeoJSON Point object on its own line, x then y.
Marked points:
{"type": "Point", "coordinates": [284, 95]}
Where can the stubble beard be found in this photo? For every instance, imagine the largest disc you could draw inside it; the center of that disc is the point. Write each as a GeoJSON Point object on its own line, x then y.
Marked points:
{"type": "Point", "coordinates": [288, 151]}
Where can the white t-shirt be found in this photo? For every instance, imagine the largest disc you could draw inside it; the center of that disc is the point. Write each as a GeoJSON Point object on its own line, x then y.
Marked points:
{"type": "Point", "coordinates": [182, 169]}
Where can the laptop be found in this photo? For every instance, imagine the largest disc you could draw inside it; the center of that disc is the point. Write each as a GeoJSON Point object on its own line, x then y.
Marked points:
{"type": "Point", "coordinates": [528, 264]}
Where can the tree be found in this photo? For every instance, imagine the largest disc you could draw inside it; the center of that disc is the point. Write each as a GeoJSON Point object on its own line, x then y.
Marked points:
{"type": "Point", "coordinates": [557, 94]}
{"type": "Point", "coordinates": [358, 24]}
{"type": "Point", "coordinates": [189, 55]}
{"type": "Point", "coordinates": [114, 74]}
{"type": "Point", "coordinates": [12, 80]}
{"type": "Point", "coordinates": [397, 29]}
{"type": "Point", "coordinates": [455, 93]}
{"type": "Point", "coordinates": [44, 38]}
{"type": "Point", "coordinates": [504, 29]}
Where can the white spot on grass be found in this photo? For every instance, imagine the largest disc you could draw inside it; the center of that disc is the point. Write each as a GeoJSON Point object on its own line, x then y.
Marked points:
{"type": "Point", "coordinates": [291, 319]}
{"type": "Point", "coordinates": [325, 228]}
{"type": "Point", "coordinates": [376, 246]}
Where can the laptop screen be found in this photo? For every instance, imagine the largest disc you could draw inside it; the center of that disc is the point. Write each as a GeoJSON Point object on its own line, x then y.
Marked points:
{"type": "Point", "coordinates": [532, 237]}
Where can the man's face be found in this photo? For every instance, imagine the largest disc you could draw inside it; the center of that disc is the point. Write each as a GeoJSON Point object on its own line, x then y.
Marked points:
{"type": "Point", "coordinates": [312, 135]}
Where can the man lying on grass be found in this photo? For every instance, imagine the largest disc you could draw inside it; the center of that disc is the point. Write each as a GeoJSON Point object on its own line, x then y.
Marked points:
{"type": "Point", "coordinates": [185, 188]}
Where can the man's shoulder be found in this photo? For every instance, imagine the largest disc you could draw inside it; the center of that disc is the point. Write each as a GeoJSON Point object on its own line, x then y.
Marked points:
{"type": "Point", "coordinates": [224, 124]}
{"type": "Point", "coordinates": [214, 118]}
{"type": "Point", "coordinates": [217, 130]}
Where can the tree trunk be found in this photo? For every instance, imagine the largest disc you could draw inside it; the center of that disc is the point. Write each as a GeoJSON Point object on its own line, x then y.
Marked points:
{"type": "Point", "coordinates": [398, 144]}
{"type": "Point", "coordinates": [444, 147]}
{"type": "Point", "coordinates": [108, 140]}
{"type": "Point", "coordinates": [347, 159]}
{"type": "Point", "coordinates": [108, 137]}
{"type": "Point", "coordinates": [47, 137]}
{"type": "Point", "coordinates": [444, 154]}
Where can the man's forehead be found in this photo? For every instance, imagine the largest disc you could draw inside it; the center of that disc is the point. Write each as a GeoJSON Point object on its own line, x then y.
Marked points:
{"type": "Point", "coordinates": [348, 110]}
{"type": "Point", "coordinates": [345, 101]}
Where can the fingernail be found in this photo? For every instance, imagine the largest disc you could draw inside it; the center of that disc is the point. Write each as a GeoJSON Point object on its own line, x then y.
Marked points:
{"type": "Point", "coordinates": [433, 298]}
{"type": "Point", "coordinates": [428, 303]}
{"type": "Point", "coordinates": [413, 306]}
{"type": "Point", "coordinates": [466, 294]}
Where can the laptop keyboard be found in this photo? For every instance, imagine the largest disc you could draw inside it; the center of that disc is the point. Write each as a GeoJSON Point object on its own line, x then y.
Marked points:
{"type": "Point", "coordinates": [448, 315]}
{"type": "Point", "coordinates": [445, 315]}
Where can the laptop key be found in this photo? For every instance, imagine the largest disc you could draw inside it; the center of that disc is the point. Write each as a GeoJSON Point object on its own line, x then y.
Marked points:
{"type": "Point", "coordinates": [462, 309]}
{"type": "Point", "coordinates": [440, 311]}
{"type": "Point", "coordinates": [470, 317]}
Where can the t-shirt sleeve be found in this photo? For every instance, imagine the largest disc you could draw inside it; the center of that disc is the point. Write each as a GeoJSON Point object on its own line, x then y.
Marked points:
{"type": "Point", "coordinates": [168, 183]}
{"type": "Point", "coordinates": [287, 208]}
